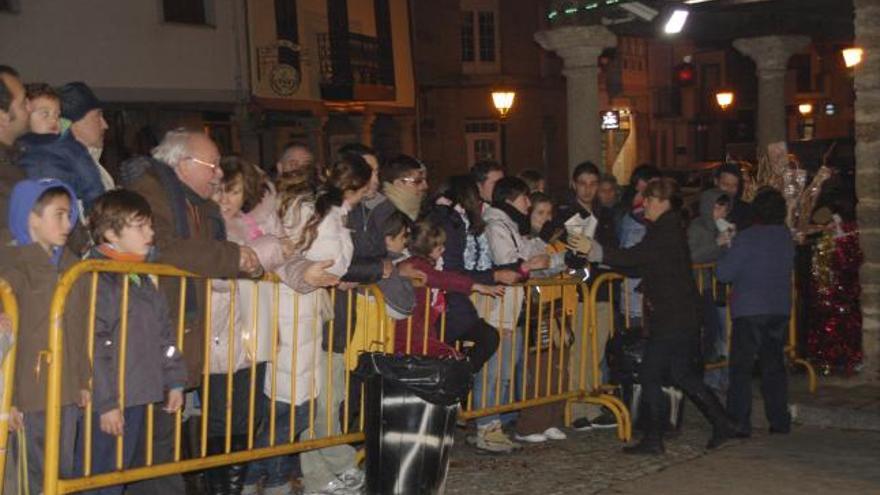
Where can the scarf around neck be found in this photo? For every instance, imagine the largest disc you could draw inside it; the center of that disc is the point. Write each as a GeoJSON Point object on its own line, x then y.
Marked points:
{"type": "Point", "coordinates": [523, 224]}
{"type": "Point", "coordinates": [403, 199]}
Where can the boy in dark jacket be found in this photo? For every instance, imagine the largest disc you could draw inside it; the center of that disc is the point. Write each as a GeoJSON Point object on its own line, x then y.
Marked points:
{"type": "Point", "coordinates": [120, 222]}
{"type": "Point", "coordinates": [41, 215]}
{"type": "Point", "coordinates": [759, 265]}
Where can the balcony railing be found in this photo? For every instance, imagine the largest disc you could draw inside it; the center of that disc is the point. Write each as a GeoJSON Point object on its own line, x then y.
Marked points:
{"type": "Point", "coordinates": [354, 68]}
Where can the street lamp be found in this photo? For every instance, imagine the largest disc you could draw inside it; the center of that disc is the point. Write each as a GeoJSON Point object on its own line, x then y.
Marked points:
{"type": "Point", "coordinates": [805, 109]}
{"type": "Point", "coordinates": [725, 99]}
{"type": "Point", "coordinates": [503, 101]}
{"type": "Point", "coordinates": [852, 56]}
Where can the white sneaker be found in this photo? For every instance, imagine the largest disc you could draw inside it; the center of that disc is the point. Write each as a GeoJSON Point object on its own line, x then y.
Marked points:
{"type": "Point", "coordinates": [554, 433]}
{"type": "Point", "coordinates": [492, 438]}
{"type": "Point", "coordinates": [353, 478]}
{"type": "Point", "coordinates": [533, 438]}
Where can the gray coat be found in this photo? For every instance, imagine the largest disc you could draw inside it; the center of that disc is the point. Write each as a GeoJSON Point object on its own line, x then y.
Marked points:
{"type": "Point", "coordinates": [702, 233]}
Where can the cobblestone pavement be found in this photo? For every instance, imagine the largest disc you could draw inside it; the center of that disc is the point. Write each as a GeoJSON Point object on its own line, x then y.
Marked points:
{"type": "Point", "coordinates": [586, 463]}
{"type": "Point", "coordinates": [812, 460]}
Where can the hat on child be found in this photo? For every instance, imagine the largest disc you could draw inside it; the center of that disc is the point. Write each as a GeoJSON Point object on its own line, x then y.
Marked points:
{"type": "Point", "coordinates": [77, 99]}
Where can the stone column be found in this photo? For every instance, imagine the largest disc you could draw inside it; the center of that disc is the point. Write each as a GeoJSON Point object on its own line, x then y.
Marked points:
{"type": "Point", "coordinates": [771, 54]}
{"type": "Point", "coordinates": [867, 106]}
{"type": "Point", "coordinates": [580, 47]}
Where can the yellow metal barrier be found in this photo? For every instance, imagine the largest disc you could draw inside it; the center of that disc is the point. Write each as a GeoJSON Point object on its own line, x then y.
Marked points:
{"type": "Point", "coordinates": [534, 360]}
{"type": "Point", "coordinates": [10, 309]}
{"type": "Point", "coordinates": [366, 303]}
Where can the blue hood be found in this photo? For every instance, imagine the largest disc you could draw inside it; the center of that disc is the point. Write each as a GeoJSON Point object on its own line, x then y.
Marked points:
{"type": "Point", "coordinates": [22, 200]}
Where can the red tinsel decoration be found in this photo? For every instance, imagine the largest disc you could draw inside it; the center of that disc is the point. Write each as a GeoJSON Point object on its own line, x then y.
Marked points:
{"type": "Point", "coordinates": [835, 336]}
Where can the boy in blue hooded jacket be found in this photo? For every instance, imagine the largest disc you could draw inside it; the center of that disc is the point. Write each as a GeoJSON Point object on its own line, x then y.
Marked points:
{"type": "Point", "coordinates": [41, 215]}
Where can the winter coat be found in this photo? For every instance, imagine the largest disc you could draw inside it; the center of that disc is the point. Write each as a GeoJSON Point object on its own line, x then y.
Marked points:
{"type": "Point", "coordinates": [153, 364]}
{"type": "Point", "coordinates": [509, 248]}
{"type": "Point", "coordinates": [189, 234]}
{"type": "Point", "coordinates": [10, 174]}
{"type": "Point", "coordinates": [439, 285]}
{"type": "Point", "coordinates": [34, 278]}
{"type": "Point", "coordinates": [66, 159]}
{"type": "Point", "coordinates": [759, 265]}
{"type": "Point", "coordinates": [301, 316]}
{"type": "Point", "coordinates": [702, 232]}
{"type": "Point", "coordinates": [461, 313]}
{"type": "Point", "coordinates": [663, 262]}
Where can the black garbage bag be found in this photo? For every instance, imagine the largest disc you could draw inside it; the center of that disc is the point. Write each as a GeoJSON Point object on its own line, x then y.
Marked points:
{"type": "Point", "coordinates": [411, 406]}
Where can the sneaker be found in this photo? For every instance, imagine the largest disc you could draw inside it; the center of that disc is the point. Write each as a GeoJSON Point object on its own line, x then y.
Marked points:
{"type": "Point", "coordinates": [533, 438]}
{"type": "Point", "coordinates": [353, 478]}
{"type": "Point", "coordinates": [582, 424]}
{"type": "Point", "coordinates": [554, 433]}
{"type": "Point", "coordinates": [253, 489]}
{"type": "Point", "coordinates": [493, 439]}
{"type": "Point", "coordinates": [606, 420]}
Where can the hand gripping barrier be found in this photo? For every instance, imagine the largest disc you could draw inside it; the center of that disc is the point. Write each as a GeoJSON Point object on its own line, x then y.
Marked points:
{"type": "Point", "coordinates": [251, 309]}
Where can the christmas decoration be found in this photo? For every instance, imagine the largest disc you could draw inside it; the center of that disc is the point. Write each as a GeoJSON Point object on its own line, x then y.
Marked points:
{"type": "Point", "coordinates": [834, 341]}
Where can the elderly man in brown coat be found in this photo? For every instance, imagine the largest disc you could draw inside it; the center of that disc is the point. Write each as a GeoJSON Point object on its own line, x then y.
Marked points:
{"type": "Point", "coordinates": [178, 182]}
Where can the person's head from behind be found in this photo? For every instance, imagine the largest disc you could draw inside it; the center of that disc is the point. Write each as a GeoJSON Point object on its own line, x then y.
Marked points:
{"type": "Point", "coordinates": [427, 240]}
{"type": "Point", "coordinates": [194, 158]}
{"type": "Point", "coordinates": [729, 178]}
{"type": "Point", "coordinates": [641, 176]}
{"type": "Point", "coordinates": [769, 207]}
{"type": "Point", "coordinates": [42, 211]}
{"type": "Point", "coordinates": [123, 220]}
{"type": "Point", "coordinates": [369, 156]}
{"type": "Point", "coordinates": [585, 183]}
{"type": "Point", "coordinates": [534, 179]}
{"type": "Point", "coordinates": [487, 173]}
{"type": "Point", "coordinates": [541, 211]}
{"type": "Point", "coordinates": [513, 192]}
{"type": "Point", "coordinates": [44, 106]}
{"type": "Point", "coordinates": [405, 173]}
{"type": "Point", "coordinates": [609, 191]}
{"type": "Point", "coordinates": [82, 108]}
{"type": "Point", "coordinates": [295, 156]}
{"type": "Point", "coordinates": [242, 188]}
{"type": "Point", "coordinates": [396, 230]}
{"type": "Point", "coordinates": [14, 121]}
{"type": "Point", "coordinates": [661, 196]}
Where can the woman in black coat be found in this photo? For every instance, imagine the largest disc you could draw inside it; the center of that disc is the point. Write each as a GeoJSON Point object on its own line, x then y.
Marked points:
{"type": "Point", "coordinates": [671, 316]}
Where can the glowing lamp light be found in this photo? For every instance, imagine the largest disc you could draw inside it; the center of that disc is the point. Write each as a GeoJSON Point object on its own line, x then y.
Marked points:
{"type": "Point", "coordinates": [805, 109]}
{"type": "Point", "coordinates": [676, 21]}
{"type": "Point", "coordinates": [724, 99]}
{"type": "Point", "coordinates": [503, 101]}
{"type": "Point", "coordinates": [852, 56]}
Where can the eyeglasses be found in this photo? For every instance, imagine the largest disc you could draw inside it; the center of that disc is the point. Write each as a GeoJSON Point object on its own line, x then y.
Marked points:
{"type": "Point", "coordinates": [203, 163]}
{"type": "Point", "coordinates": [417, 181]}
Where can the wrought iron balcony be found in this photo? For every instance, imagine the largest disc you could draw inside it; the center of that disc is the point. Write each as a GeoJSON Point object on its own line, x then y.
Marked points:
{"type": "Point", "coordinates": [353, 68]}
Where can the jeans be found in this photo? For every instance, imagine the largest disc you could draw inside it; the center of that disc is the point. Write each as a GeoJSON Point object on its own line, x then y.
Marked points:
{"type": "Point", "coordinates": [104, 446]}
{"type": "Point", "coordinates": [275, 471]}
{"type": "Point", "coordinates": [760, 338]}
{"type": "Point", "coordinates": [491, 374]}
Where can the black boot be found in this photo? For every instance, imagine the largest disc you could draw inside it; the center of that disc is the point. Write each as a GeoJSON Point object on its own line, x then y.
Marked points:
{"type": "Point", "coordinates": [651, 444]}
{"type": "Point", "coordinates": [723, 428]}
{"type": "Point", "coordinates": [237, 472]}
{"type": "Point", "coordinates": [217, 478]}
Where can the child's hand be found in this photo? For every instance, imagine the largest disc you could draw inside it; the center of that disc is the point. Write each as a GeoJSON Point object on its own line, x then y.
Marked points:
{"type": "Point", "coordinates": [346, 286]}
{"type": "Point", "coordinates": [489, 290]}
{"type": "Point", "coordinates": [580, 244]}
{"type": "Point", "coordinates": [16, 419]}
{"type": "Point", "coordinates": [84, 398]}
{"type": "Point", "coordinates": [175, 401]}
{"type": "Point", "coordinates": [112, 422]}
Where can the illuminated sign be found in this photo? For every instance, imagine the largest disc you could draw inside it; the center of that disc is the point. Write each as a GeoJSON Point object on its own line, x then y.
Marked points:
{"type": "Point", "coordinates": [610, 120]}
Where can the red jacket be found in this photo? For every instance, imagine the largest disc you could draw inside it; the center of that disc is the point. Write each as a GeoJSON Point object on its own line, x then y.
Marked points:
{"type": "Point", "coordinates": [433, 294]}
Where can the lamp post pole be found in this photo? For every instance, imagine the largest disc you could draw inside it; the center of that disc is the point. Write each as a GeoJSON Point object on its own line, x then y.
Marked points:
{"type": "Point", "coordinates": [724, 99]}
{"type": "Point", "coordinates": [503, 101]}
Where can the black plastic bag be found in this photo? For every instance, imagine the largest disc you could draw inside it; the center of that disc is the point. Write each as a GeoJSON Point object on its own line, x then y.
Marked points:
{"type": "Point", "coordinates": [438, 381]}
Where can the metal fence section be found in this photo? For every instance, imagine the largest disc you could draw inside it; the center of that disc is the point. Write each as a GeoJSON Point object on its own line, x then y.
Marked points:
{"type": "Point", "coordinates": [10, 309]}
{"type": "Point", "coordinates": [247, 303]}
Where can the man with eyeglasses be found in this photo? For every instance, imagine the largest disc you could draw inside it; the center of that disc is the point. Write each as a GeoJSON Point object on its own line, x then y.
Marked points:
{"type": "Point", "coordinates": [178, 181]}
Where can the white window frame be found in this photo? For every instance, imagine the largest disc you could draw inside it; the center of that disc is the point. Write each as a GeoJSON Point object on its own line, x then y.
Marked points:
{"type": "Point", "coordinates": [478, 66]}
{"type": "Point", "coordinates": [471, 138]}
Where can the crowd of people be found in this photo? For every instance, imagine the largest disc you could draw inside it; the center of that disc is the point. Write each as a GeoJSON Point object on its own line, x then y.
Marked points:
{"type": "Point", "coordinates": [345, 224]}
